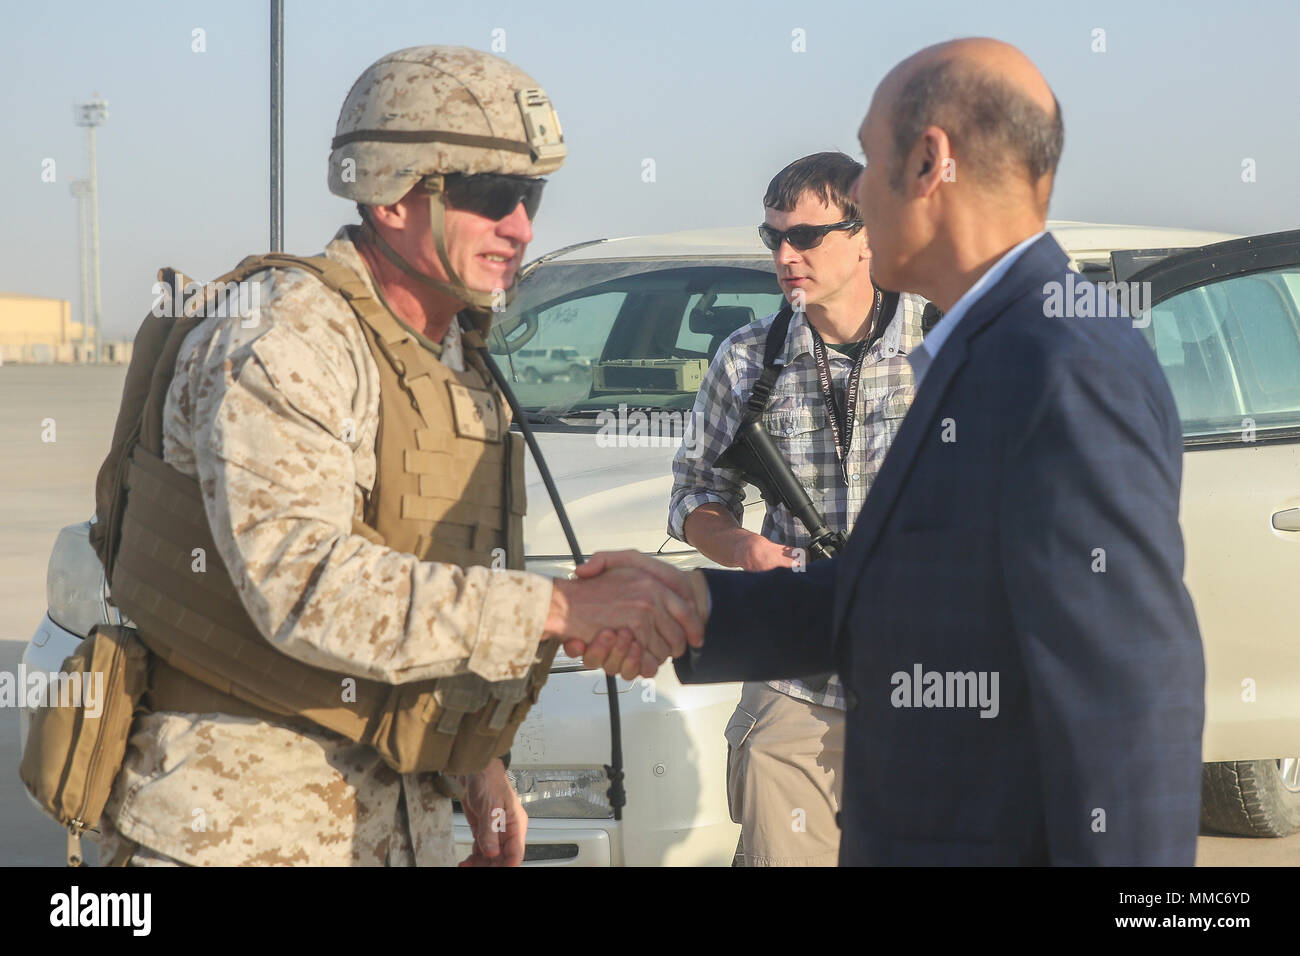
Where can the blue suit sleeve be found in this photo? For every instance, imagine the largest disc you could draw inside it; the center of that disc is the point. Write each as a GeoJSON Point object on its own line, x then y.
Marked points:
{"type": "Point", "coordinates": [1093, 559]}
{"type": "Point", "coordinates": [765, 625]}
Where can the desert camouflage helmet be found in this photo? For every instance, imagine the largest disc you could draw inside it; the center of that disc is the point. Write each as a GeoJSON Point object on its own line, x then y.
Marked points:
{"type": "Point", "coordinates": [440, 109]}
{"type": "Point", "coordinates": [428, 111]}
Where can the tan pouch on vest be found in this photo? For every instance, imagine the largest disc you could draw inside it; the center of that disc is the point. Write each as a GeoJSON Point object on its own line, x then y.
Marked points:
{"type": "Point", "coordinates": [74, 751]}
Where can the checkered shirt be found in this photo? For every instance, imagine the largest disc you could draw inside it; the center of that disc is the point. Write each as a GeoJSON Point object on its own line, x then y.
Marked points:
{"type": "Point", "coordinates": [796, 418]}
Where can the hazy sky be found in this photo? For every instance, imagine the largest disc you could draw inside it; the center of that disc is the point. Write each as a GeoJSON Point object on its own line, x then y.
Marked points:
{"type": "Point", "coordinates": [1157, 126]}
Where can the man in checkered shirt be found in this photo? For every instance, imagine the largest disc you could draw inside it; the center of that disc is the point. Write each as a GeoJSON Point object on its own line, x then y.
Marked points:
{"type": "Point", "coordinates": [786, 738]}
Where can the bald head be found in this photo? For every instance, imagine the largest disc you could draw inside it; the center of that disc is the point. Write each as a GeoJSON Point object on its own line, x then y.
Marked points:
{"type": "Point", "coordinates": [1002, 121]}
{"type": "Point", "coordinates": [962, 141]}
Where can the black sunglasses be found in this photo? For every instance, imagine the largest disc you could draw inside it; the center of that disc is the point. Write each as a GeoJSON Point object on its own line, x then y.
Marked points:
{"type": "Point", "coordinates": [803, 237]}
{"type": "Point", "coordinates": [494, 195]}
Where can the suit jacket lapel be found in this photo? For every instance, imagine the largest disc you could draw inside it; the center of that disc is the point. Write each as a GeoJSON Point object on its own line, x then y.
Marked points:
{"type": "Point", "coordinates": [1041, 262]}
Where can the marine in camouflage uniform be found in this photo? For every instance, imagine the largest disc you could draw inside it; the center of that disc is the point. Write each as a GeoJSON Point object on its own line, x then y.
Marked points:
{"type": "Point", "coordinates": [276, 415]}
{"type": "Point", "coordinates": [288, 398]}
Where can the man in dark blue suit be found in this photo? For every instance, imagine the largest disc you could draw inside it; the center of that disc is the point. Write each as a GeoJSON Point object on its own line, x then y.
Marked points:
{"type": "Point", "coordinates": [1025, 673]}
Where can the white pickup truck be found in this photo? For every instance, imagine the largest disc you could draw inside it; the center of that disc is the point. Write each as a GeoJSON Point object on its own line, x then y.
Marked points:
{"type": "Point", "coordinates": [646, 315]}
{"type": "Point", "coordinates": [544, 365]}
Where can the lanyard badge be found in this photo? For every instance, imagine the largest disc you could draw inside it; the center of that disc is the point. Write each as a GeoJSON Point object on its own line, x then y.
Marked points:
{"type": "Point", "coordinates": [842, 425]}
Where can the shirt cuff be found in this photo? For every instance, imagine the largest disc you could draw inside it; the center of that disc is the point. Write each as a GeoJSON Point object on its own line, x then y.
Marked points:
{"type": "Point", "coordinates": [515, 606]}
{"type": "Point", "coordinates": [688, 505]}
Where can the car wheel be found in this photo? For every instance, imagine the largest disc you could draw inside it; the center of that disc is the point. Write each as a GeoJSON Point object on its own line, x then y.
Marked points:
{"type": "Point", "coordinates": [530, 375]}
{"type": "Point", "coordinates": [1252, 797]}
{"type": "Point", "coordinates": [578, 372]}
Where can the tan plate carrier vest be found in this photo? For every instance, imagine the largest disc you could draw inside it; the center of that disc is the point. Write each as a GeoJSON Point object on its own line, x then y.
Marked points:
{"type": "Point", "coordinates": [449, 488]}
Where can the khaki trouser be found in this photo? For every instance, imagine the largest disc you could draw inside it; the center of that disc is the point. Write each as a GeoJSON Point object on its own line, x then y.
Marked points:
{"type": "Point", "coordinates": [785, 760]}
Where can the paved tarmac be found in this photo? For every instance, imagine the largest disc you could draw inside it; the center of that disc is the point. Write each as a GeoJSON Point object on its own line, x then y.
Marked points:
{"type": "Point", "coordinates": [45, 485]}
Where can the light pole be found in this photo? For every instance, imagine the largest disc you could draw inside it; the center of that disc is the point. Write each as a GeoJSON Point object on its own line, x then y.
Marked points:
{"type": "Point", "coordinates": [91, 114]}
{"type": "Point", "coordinates": [277, 125]}
{"type": "Point", "coordinates": [81, 191]}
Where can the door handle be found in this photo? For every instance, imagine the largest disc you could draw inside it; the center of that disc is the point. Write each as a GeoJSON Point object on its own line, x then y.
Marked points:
{"type": "Point", "coordinates": [1288, 520]}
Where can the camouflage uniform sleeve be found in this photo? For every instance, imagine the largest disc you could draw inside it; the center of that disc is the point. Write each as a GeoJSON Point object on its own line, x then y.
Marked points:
{"type": "Point", "coordinates": [715, 421]}
{"type": "Point", "coordinates": [278, 421]}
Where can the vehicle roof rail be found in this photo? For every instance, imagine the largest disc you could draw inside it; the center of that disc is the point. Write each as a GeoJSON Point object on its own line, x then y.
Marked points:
{"type": "Point", "coordinates": [530, 266]}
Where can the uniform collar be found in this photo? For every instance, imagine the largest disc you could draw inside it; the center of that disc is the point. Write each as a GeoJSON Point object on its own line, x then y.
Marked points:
{"type": "Point", "coordinates": [343, 250]}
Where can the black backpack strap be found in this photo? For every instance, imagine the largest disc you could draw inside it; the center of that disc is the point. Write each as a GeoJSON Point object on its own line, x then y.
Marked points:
{"type": "Point", "coordinates": [762, 392]}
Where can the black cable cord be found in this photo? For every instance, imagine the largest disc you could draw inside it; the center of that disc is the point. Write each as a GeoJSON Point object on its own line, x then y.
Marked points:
{"type": "Point", "coordinates": [510, 356]}
{"type": "Point", "coordinates": [614, 769]}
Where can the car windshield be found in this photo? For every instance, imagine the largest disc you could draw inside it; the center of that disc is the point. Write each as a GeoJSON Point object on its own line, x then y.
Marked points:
{"type": "Point", "coordinates": [583, 337]}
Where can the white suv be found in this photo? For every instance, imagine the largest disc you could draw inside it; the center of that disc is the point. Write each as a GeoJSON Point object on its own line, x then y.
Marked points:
{"type": "Point", "coordinates": [646, 315]}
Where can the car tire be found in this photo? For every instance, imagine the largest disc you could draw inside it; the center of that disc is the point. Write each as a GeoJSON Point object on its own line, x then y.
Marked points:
{"type": "Point", "coordinates": [1258, 798]}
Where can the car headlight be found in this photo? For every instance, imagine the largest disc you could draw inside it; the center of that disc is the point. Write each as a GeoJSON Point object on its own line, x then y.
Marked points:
{"type": "Point", "coordinates": [74, 582]}
{"type": "Point", "coordinates": [563, 794]}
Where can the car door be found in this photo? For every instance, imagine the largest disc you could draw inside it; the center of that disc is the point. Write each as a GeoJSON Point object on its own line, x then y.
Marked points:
{"type": "Point", "coordinates": [1225, 324]}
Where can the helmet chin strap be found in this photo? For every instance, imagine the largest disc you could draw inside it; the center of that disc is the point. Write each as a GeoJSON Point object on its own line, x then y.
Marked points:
{"type": "Point", "coordinates": [455, 286]}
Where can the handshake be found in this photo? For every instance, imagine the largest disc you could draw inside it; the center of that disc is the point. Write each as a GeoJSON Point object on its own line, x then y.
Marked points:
{"type": "Point", "coordinates": [628, 613]}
